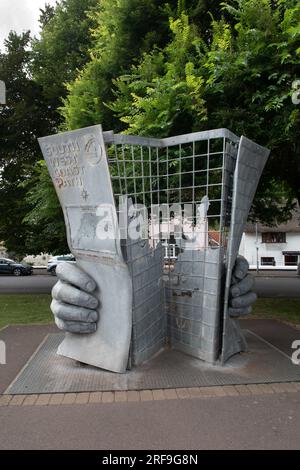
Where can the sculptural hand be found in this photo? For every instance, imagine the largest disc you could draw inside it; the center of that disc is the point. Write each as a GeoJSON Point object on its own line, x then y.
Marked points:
{"type": "Point", "coordinates": [241, 295]}
{"type": "Point", "coordinates": [73, 305]}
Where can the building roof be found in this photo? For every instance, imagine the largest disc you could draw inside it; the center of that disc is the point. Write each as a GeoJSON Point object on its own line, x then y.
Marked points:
{"type": "Point", "coordinates": [293, 225]}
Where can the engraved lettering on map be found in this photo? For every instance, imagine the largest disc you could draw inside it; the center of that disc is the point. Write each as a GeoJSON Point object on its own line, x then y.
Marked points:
{"type": "Point", "coordinates": [64, 162]}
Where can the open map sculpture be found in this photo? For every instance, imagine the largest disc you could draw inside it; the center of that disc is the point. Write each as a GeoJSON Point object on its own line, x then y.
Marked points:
{"type": "Point", "coordinates": [157, 224]}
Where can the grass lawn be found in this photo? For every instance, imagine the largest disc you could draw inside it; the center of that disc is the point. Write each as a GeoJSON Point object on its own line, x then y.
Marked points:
{"type": "Point", "coordinates": [278, 309]}
{"type": "Point", "coordinates": [27, 308]}
{"type": "Point", "coordinates": [34, 308]}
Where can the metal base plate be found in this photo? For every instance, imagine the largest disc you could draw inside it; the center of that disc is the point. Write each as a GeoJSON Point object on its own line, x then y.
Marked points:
{"type": "Point", "coordinates": [46, 372]}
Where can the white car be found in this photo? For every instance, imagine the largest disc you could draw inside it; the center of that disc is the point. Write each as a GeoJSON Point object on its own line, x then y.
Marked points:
{"type": "Point", "coordinates": [53, 262]}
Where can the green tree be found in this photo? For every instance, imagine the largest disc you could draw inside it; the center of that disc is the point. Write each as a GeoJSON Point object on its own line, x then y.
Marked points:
{"type": "Point", "coordinates": [35, 85]}
{"type": "Point", "coordinates": [241, 78]}
{"type": "Point", "coordinates": [45, 218]}
{"type": "Point", "coordinates": [62, 49]}
{"type": "Point", "coordinates": [231, 68]}
{"type": "Point", "coordinates": [125, 30]}
{"type": "Point", "coordinates": [22, 121]}
{"type": "Point", "coordinates": [251, 69]}
{"type": "Point", "coordinates": [163, 95]}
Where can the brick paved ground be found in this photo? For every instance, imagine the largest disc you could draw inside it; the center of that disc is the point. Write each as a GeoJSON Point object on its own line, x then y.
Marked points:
{"type": "Point", "coordinates": [148, 395]}
{"type": "Point", "coordinates": [248, 416]}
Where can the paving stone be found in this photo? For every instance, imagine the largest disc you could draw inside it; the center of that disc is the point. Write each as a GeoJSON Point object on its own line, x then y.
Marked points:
{"type": "Point", "coordinates": [254, 389]}
{"type": "Point", "coordinates": [208, 391]}
{"type": "Point", "coordinates": [17, 400]}
{"type": "Point", "coordinates": [69, 399]}
{"type": "Point", "coordinates": [266, 388]}
{"type": "Point", "coordinates": [282, 387]}
{"type": "Point", "coordinates": [5, 399]}
{"type": "Point", "coordinates": [297, 385]}
{"type": "Point", "coordinates": [289, 387]}
{"type": "Point", "coordinates": [230, 390]}
{"type": "Point", "coordinates": [219, 392]}
{"type": "Point", "coordinates": [242, 389]}
{"type": "Point", "coordinates": [195, 392]}
{"type": "Point", "coordinates": [107, 397]}
{"type": "Point", "coordinates": [30, 400]}
{"type": "Point", "coordinates": [56, 398]}
{"type": "Point", "coordinates": [159, 394]}
{"type": "Point", "coordinates": [133, 395]}
{"type": "Point", "coordinates": [121, 396]}
{"type": "Point", "coordinates": [43, 399]}
{"type": "Point", "coordinates": [146, 395]}
{"type": "Point", "coordinates": [82, 398]}
{"type": "Point", "coordinates": [170, 393]}
{"type": "Point", "coordinates": [182, 393]}
{"type": "Point", "coordinates": [95, 397]}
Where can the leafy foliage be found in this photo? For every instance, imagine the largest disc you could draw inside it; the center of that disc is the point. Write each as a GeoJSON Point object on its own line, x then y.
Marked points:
{"type": "Point", "coordinates": [240, 79]}
{"type": "Point", "coordinates": [35, 84]}
{"type": "Point", "coordinates": [163, 94]}
{"type": "Point", "coordinates": [46, 217]}
{"type": "Point", "coordinates": [22, 121]}
{"type": "Point", "coordinates": [62, 48]}
{"type": "Point", "coordinates": [153, 68]}
{"type": "Point", "coordinates": [125, 29]}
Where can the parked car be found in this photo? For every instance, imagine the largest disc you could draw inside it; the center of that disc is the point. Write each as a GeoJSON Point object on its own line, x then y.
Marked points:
{"type": "Point", "coordinates": [53, 262]}
{"type": "Point", "coordinates": [8, 266]}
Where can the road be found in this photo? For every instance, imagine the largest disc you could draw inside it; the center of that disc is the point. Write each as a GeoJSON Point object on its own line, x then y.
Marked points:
{"type": "Point", "coordinates": [42, 284]}
{"type": "Point", "coordinates": [238, 422]}
{"type": "Point", "coordinates": [36, 284]}
{"type": "Point", "coordinates": [277, 286]}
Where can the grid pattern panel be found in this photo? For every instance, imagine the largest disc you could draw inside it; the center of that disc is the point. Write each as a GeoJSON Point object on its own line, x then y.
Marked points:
{"type": "Point", "coordinates": [148, 319]}
{"type": "Point", "coordinates": [164, 179]}
{"type": "Point", "coordinates": [181, 174]}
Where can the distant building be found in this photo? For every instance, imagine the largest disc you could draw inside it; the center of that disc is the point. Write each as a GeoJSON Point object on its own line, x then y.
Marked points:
{"type": "Point", "coordinates": [273, 247]}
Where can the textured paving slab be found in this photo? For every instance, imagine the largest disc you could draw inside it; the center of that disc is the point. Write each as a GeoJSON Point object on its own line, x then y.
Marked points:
{"type": "Point", "coordinates": [21, 342]}
{"type": "Point", "coordinates": [47, 372]}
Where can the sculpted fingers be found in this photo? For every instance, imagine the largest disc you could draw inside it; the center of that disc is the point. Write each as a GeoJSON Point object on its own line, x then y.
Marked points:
{"type": "Point", "coordinates": [241, 293]}
{"type": "Point", "coordinates": [244, 300]}
{"type": "Point", "coordinates": [72, 274]}
{"type": "Point", "coordinates": [73, 313]}
{"type": "Point", "coordinates": [243, 286]}
{"type": "Point", "coordinates": [75, 327]}
{"type": "Point", "coordinates": [237, 312]}
{"type": "Point", "coordinates": [64, 292]}
{"type": "Point", "coordinates": [241, 268]}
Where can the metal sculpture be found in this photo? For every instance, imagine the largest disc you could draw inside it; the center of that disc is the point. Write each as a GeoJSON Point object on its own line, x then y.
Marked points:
{"type": "Point", "coordinates": [155, 225]}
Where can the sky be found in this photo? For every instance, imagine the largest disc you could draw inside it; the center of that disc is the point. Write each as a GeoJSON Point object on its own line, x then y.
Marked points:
{"type": "Point", "coordinates": [20, 15]}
